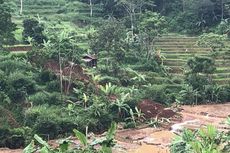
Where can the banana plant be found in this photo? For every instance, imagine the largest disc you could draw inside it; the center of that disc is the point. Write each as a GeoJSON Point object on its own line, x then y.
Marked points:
{"type": "Point", "coordinates": [106, 144]}
{"type": "Point", "coordinates": [108, 89]}
{"type": "Point", "coordinates": [82, 138]}
{"type": "Point", "coordinates": [121, 105]}
{"type": "Point", "coordinates": [154, 123]}
{"type": "Point", "coordinates": [85, 100]}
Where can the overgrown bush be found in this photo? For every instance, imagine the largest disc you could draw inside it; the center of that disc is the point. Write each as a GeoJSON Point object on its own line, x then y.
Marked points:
{"type": "Point", "coordinates": [15, 138]}
{"type": "Point", "coordinates": [49, 120]}
{"type": "Point", "coordinates": [10, 66]}
{"type": "Point", "coordinates": [160, 93]}
{"type": "Point", "coordinates": [41, 98]}
{"type": "Point", "coordinates": [108, 79]}
{"type": "Point", "coordinates": [19, 86]}
{"type": "Point", "coordinates": [46, 76]}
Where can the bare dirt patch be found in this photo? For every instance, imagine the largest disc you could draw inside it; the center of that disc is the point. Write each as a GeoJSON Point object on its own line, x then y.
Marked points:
{"type": "Point", "coordinates": [192, 117]}
{"type": "Point", "coordinates": [151, 140]}
{"type": "Point", "coordinates": [152, 109]}
{"type": "Point", "coordinates": [6, 150]}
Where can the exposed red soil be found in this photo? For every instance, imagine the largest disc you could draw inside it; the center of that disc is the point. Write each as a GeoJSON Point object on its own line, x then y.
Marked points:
{"type": "Point", "coordinates": [72, 70]}
{"type": "Point", "coordinates": [191, 117]}
{"type": "Point", "coordinates": [152, 109]}
{"type": "Point", "coordinates": [151, 140]}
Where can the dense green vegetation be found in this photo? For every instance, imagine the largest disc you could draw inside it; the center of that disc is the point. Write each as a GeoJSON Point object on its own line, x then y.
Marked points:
{"type": "Point", "coordinates": [171, 51]}
{"type": "Point", "coordinates": [203, 140]}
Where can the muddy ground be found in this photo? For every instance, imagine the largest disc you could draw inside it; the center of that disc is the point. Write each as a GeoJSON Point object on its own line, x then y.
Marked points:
{"type": "Point", "coordinates": [157, 140]}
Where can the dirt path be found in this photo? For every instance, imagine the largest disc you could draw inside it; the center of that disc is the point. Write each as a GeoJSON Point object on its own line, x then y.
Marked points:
{"type": "Point", "coordinates": [6, 150]}
{"type": "Point", "coordinates": [151, 140]}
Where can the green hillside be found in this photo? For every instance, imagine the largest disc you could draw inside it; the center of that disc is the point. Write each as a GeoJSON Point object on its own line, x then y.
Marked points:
{"type": "Point", "coordinates": [177, 49]}
{"type": "Point", "coordinates": [73, 69]}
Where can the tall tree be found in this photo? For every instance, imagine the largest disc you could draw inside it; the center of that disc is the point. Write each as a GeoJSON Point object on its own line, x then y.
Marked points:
{"type": "Point", "coordinates": [91, 8]}
{"type": "Point", "coordinates": [152, 25]}
{"type": "Point", "coordinates": [21, 7]}
{"type": "Point", "coordinates": [109, 42]}
{"type": "Point", "coordinates": [6, 25]}
{"type": "Point", "coordinates": [132, 7]}
{"type": "Point", "coordinates": [33, 29]}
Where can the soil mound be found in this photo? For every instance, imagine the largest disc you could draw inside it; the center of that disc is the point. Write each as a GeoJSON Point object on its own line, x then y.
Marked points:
{"type": "Point", "coordinates": [152, 109]}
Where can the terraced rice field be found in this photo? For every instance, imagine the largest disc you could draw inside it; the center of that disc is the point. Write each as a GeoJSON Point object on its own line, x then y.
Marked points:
{"type": "Point", "coordinates": [175, 48]}
{"type": "Point", "coordinates": [178, 49]}
{"type": "Point", "coordinates": [73, 15]}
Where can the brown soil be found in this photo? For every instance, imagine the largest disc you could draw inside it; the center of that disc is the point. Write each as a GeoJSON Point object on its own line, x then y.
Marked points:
{"type": "Point", "coordinates": [152, 109]}
{"type": "Point", "coordinates": [19, 48]}
{"type": "Point", "coordinates": [148, 140]}
{"type": "Point", "coordinates": [151, 140]}
{"type": "Point", "coordinates": [6, 150]}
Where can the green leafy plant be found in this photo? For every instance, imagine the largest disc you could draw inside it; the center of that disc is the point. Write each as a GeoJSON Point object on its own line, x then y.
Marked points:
{"type": "Point", "coordinates": [154, 123]}
{"type": "Point", "coordinates": [214, 41]}
{"type": "Point", "coordinates": [120, 105]}
{"type": "Point", "coordinates": [108, 89]}
{"type": "Point", "coordinates": [205, 140]}
{"type": "Point", "coordinates": [106, 143]}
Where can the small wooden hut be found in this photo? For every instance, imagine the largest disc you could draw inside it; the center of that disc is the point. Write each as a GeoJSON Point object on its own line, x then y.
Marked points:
{"type": "Point", "coordinates": [90, 60]}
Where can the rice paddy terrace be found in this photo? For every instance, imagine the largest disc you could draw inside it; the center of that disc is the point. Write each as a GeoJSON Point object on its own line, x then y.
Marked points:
{"type": "Point", "coordinates": [61, 15]}
{"type": "Point", "coordinates": [177, 49]}
{"type": "Point", "coordinates": [68, 12]}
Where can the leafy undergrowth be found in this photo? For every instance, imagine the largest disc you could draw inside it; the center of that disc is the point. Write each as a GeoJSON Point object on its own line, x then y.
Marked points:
{"type": "Point", "coordinates": [101, 145]}
{"type": "Point", "coordinates": [205, 140]}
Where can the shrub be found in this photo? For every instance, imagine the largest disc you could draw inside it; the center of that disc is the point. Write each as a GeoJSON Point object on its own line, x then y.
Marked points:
{"type": "Point", "coordinates": [108, 79]}
{"type": "Point", "coordinates": [10, 66]}
{"type": "Point", "coordinates": [165, 93]}
{"type": "Point", "coordinates": [39, 98]}
{"type": "Point", "coordinates": [201, 64]}
{"type": "Point", "coordinates": [46, 76]}
{"type": "Point", "coordinates": [49, 121]}
{"type": "Point", "coordinates": [2, 80]}
{"type": "Point", "coordinates": [45, 98]}
{"type": "Point", "coordinates": [224, 94]}
{"type": "Point", "coordinates": [15, 138]}
{"type": "Point", "coordinates": [214, 41]}
{"type": "Point", "coordinates": [47, 127]}
{"type": "Point", "coordinates": [33, 29]}
{"type": "Point", "coordinates": [197, 81]}
{"type": "Point", "coordinates": [53, 86]}
{"type": "Point", "coordinates": [95, 123]}
{"type": "Point", "coordinates": [19, 86]}
{"type": "Point", "coordinates": [224, 27]}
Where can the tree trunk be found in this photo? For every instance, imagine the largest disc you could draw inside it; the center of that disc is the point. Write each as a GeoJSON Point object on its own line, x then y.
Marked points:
{"type": "Point", "coordinates": [183, 6]}
{"type": "Point", "coordinates": [132, 25]}
{"type": "Point", "coordinates": [91, 8]}
{"type": "Point", "coordinates": [60, 71]}
{"type": "Point", "coordinates": [21, 1]}
{"type": "Point", "coordinates": [222, 10]}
